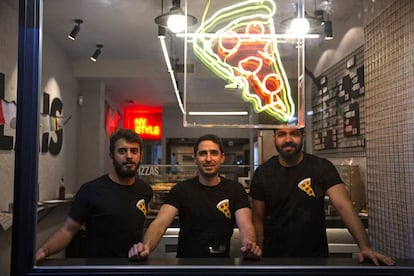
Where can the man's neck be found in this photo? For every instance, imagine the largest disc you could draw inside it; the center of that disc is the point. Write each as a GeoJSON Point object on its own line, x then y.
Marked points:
{"type": "Point", "coordinates": [126, 181]}
{"type": "Point", "coordinates": [209, 180]}
{"type": "Point", "coordinates": [291, 162]}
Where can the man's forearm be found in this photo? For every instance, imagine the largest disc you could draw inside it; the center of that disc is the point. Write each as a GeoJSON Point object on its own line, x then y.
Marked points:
{"type": "Point", "coordinates": [259, 235]}
{"type": "Point", "coordinates": [354, 225]}
{"type": "Point", "coordinates": [56, 243]}
{"type": "Point", "coordinates": [247, 235]}
{"type": "Point", "coordinates": [357, 230]}
{"type": "Point", "coordinates": [153, 236]}
{"type": "Point", "coordinates": [258, 226]}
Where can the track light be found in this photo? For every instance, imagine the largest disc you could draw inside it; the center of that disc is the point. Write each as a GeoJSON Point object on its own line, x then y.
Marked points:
{"type": "Point", "coordinates": [175, 20]}
{"type": "Point", "coordinates": [161, 31]}
{"type": "Point", "coordinates": [75, 29]}
{"type": "Point", "coordinates": [327, 27]}
{"type": "Point", "coordinates": [97, 52]}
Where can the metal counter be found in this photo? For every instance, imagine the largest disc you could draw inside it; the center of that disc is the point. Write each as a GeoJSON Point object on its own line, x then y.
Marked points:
{"type": "Point", "coordinates": [340, 242]}
{"type": "Point", "coordinates": [220, 266]}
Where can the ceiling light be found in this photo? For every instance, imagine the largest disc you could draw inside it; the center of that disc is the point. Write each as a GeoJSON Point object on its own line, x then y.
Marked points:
{"type": "Point", "coordinates": [97, 52]}
{"type": "Point", "coordinates": [75, 29]}
{"type": "Point", "coordinates": [301, 23]}
{"type": "Point", "coordinates": [327, 27]}
{"type": "Point", "coordinates": [299, 26]}
{"type": "Point", "coordinates": [161, 31]}
{"type": "Point", "coordinates": [175, 20]}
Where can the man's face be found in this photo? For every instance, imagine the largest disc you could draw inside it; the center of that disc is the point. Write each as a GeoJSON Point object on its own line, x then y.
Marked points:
{"type": "Point", "coordinates": [288, 142]}
{"type": "Point", "coordinates": [209, 158]}
{"type": "Point", "coordinates": [126, 158]}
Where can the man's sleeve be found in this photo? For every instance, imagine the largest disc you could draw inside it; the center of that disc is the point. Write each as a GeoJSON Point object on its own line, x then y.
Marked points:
{"type": "Point", "coordinates": [330, 175]}
{"type": "Point", "coordinates": [174, 195]}
{"type": "Point", "coordinates": [79, 208]}
{"type": "Point", "coordinates": [242, 199]}
{"type": "Point", "coordinates": [256, 186]}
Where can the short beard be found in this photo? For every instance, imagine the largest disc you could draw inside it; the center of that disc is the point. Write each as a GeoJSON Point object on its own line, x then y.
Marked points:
{"type": "Point", "coordinates": [124, 173]}
{"type": "Point", "coordinates": [290, 155]}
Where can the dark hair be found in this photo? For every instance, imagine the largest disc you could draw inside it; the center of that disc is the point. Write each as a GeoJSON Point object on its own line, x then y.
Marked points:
{"type": "Point", "coordinates": [209, 137]}
{"type": "Point", "coordinates": [127, 134]}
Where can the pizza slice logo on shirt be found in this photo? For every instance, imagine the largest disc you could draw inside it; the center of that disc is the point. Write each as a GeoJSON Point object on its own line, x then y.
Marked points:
{"type": "Point", "coordinates": [305, 185]}
{"type": "Point", "coordinates": [224, 207]}
{"type": "Point", "coordinates": [141, 206]}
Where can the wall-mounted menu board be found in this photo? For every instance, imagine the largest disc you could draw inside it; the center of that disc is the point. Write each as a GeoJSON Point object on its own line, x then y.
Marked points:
{"type": "Point", "coordinates": [338, 123]}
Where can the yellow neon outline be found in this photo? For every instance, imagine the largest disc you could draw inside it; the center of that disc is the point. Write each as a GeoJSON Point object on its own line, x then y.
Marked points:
{"type": "Point", "coordinates": [227, 24]}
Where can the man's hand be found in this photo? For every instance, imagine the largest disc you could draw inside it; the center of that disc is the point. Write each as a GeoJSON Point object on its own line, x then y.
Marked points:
{"type": "Point", "coordinates": [375, 257]}
{"type": "Point", "coordinates": [41, 254]}
{"type": "Point", "coordinates": [139, 252]}
{"type": "Point", "coordinates": [251, 251]}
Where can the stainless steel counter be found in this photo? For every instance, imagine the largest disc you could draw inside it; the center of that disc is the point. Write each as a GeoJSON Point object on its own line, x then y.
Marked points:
{"type": "Point", "coordinates": [220, 266]}
{"type": "Point", "coordinates": [340, 242]}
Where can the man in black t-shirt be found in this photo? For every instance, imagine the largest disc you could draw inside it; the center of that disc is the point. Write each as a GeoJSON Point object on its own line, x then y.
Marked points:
{"type": "Point", "coordinates": [113, 207]}
{"type": "Point", "coordinates": [288, 194]}
{"type": "Point", "coordinates": [208, 207]}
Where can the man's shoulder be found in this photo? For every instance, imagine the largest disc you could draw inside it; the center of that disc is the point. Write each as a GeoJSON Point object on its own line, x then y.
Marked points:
{"type": "Point", "coordinates": [97, 181]}
{"type": "Point", "coordinates": [143, 185]}
{"type": "Point", "coordinates": [140, 181]}
{"type": "Point", "coordinates": [183, 184]}
{"type": "Point", "coordinates": [271, 162]}
{"type": "Point", "coordinates": [314, 159]}
{"type": "Point", "coordinates": [229, 182]}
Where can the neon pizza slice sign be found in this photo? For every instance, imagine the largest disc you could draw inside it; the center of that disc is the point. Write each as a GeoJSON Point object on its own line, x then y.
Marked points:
{"type": "Point", "coordinates": [238, 44]}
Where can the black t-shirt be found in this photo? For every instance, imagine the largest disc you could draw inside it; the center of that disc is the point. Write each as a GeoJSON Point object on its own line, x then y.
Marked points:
{"type": "Point", "coordinates": [109, 211]}
{"type": "Point", "coordinates": [205, 231]}
{"type": "Point", "coordinates": [294, 223]}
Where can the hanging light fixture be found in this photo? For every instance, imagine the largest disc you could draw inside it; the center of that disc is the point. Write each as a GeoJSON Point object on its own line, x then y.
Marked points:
{"type": "Point", "coordinates": [301, 23]}
{"type": "Point", "coordinates": [299, 26]}
{"type": "Point", "coordinates": [75, 29]}
{"type": "Point", "coordinates": [327, 26]}
{"type": "Point", "coordinates": [326, 8]}
{"type": "Point", "coordinates": [97, 52]}
{"type": "Point", "coordinates": [175, 20]}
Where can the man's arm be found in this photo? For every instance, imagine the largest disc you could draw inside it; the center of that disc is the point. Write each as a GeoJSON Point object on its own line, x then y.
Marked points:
{"type": "Point", "coordinates": [154, 233]}
{"type": "Point", "coordinates": [338, 196]}
{"type": "Point", "coordinates": [249, 247]}
{"type": "Point", "coordinates": [58, 240]}
{"type": "Point", "coordinates": [258, 209]}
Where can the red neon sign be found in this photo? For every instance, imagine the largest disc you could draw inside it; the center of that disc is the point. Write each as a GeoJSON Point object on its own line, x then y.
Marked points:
{"type": "Point", "coordinates": [146, 121]}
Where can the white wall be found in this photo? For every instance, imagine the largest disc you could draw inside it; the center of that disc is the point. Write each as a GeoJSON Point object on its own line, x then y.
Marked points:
{"type": "Point", "coordinates": [58, 82]}
{"type": "Point", "coordinates": [91, 135]}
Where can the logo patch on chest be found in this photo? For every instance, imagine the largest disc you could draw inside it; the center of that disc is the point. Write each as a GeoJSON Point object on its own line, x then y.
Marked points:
{"type": "Point", "coordinates": [224, 207]}
{"type": "Point", "coordinates": [141, 206]}
{"type": "Point", "coordinates": [305, 185]}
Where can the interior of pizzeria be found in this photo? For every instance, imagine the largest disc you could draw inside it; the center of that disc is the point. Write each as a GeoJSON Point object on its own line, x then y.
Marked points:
{"type": "Point", "coordinates": [280, 83]}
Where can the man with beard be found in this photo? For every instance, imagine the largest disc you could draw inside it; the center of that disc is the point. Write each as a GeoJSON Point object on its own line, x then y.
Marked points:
{"type": "Point", "coordinates": [112, 207]}
{"type": "Point", "coordinates": [288, 194]}
{"type": "Point", "coordinates": [208, 206]}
